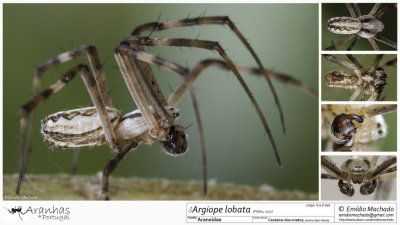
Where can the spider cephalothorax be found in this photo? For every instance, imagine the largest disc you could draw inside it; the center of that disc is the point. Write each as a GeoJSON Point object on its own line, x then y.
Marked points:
{"type": "Point", "coordinates": [359, 170]}
{"type": "Point", "coordinates": [360, 26]}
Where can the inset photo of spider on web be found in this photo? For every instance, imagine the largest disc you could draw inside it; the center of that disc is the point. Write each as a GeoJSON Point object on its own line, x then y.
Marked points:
{"type": "Point", "coordinates": [230, 71]}
{"type": "Point", "coordinates": [359, 77]}
{"type": "Point", "coordinates": [365, 26]}
{"type": "Point", "coordinates": [358, 177]}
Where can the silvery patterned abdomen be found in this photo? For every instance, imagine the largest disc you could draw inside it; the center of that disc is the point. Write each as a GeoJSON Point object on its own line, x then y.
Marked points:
{"type": "Point", "coordinates": [364, 26]}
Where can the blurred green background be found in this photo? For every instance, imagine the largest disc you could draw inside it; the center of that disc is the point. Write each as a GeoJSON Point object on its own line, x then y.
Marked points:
{"type": "Point", "coordinates": [340, 94]}
{"type": "Point", "coordinates": [238, 148]}
{"type": "Point", "coordinates": [389, 19]}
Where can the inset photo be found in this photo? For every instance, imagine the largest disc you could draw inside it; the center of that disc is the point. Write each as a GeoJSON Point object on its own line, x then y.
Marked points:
{"type": "Point", "coordinates": [366, 26]}
{"type": "Point", "coordinates": [359, 77]}
{"type": "Point", "coordinates": [358, 178]}
{"type": "Point", "coordinates": [358, 127]}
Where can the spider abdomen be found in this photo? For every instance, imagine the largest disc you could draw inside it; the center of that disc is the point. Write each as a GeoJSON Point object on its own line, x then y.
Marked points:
{"type": "Point", "coordinates": [76, 128]}
{"type": "Point", "coordinates": [365, 26]}
{"type": "Point", "coordinates": [341, 79]}
{"type": "Point", "coordinates": [344, 25]}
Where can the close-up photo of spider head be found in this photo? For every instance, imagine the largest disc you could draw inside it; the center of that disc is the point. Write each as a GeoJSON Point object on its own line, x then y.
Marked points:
{"type": "Point", "coordinates": [359, 77]}
{"type": "Point", "coordinates": [364, 26]}
{"type": "Point", "coordinates": [358, 127]}
{"type": "Point", "coordinates": [133, 69]}
{"type": "Point", "coordinates": [376, 177]}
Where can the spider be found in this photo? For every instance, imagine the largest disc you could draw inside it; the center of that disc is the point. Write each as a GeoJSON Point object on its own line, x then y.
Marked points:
{"type": "Point", "coordinates": [155, 117]}
{"type": "Point", "coordinates": [354, 127]}
{"type": "Point", "coordinates": [360, 26]}
{"type": "Point", "coordinates": [366, 81]}
{"type": "Point", "coordinates": [359, 170]}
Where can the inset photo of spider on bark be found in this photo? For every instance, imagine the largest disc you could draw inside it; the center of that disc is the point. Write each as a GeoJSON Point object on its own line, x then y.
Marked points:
{"type": "Point", "coordinates": [364, 26]}
{"type": "Point", "coordinates": [359, 77]}
{"type": "Point", "coordinates": [100, 96]}
{"type": "Point", "coordinates": [358, 127]}
{"type": "Point", "coordinates": [358, 177]}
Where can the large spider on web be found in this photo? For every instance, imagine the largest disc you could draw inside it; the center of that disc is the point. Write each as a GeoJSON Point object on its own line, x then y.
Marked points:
{"type": "Point", "coordinates": [155, 117]}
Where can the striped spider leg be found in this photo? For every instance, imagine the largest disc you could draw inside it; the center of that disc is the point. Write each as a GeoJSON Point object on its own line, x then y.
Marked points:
{"type": "Point", "coordinates": [360, 26]}
{"type": "Point", "coordinates": [353, 127]}
{"type": "Point", "coordinates": [359, 170]}
{"type": "Point", "coordinates": [28, 110]}
{"type": "Point", "coordinates": [365, 81]}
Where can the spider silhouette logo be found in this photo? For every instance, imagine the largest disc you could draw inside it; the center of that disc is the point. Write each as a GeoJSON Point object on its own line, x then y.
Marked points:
{"type": "Point", "coordinates": [16, 210]}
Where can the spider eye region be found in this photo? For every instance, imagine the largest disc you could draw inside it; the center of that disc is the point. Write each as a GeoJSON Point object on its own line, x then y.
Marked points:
{"type": "Point", "coordinates": [344, 126]}
{"type": "Point", "coordinates": [176, 143]}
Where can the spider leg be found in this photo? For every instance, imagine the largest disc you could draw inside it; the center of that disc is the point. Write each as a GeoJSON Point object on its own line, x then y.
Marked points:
{"type": "Point", "coordinates": [374, 160]}
{"type": "Point", "coordinates": [331, 168]}
{"type": "Point", "coordinates": [374, 9]}
{"type": "Point", "coordinates": [138, 89]}
{"type": "Point", "coordinates": [344, 40]}
{"type": "Point", "coordinates": [328, 176]}
{"type": "Point", "coordinates": [363, 93]}
{"type": "Point", "coordinates": [211, 46]}
{"type": "Point", "coordinates": [384, 40]}
{"type": "Point", "coordinates": [373, 110]}
{"type": "Point", "coordinates": [355, 93]}
{"type": "Point", "coordinates": [94, 92]}
{"type": "Point", "coordinates": [340, 62]}
{"type": "Point", "coordinates": [387, 176]}
{"type": "Point", "coordinates": [373, 43]}
{"type": "Point", "coordinates": [180, 90]}
{"type": "Point", "coordinates": [383, 166]}
{"type": "Point", "coordinates": [357, 10]}
{"type": "Point", "coordinates": [40, 68]}
{"type": "Point", "coordinates": [354, 60]}
{"type": "Point", "coordinates": [156, 26]}
{"type": "Point", "coordinates": [351, 10]}
{"type": "Point", "coordinates": [353, 43]}
{"type": "Point", "coordinates": [74, 166]}
{"type": "Point", "coordinates": [375, 65]}
{"type": "Point", "coordinates": [375, 94]}
{"type": "Point", "coordinates": [390, 63]}
{"type": "Point", "coordinates": [379, 14]}
{"type": "Point", "coordinates": [111, 165]}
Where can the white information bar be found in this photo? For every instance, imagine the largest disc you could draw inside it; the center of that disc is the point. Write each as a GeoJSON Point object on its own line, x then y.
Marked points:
{"type": "Point", "coordinates": [261, 212]}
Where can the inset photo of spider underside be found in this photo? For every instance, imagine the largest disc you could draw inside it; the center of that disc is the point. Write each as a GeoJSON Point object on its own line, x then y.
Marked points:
{"type": "Point", "coordinates": [354, 77]}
